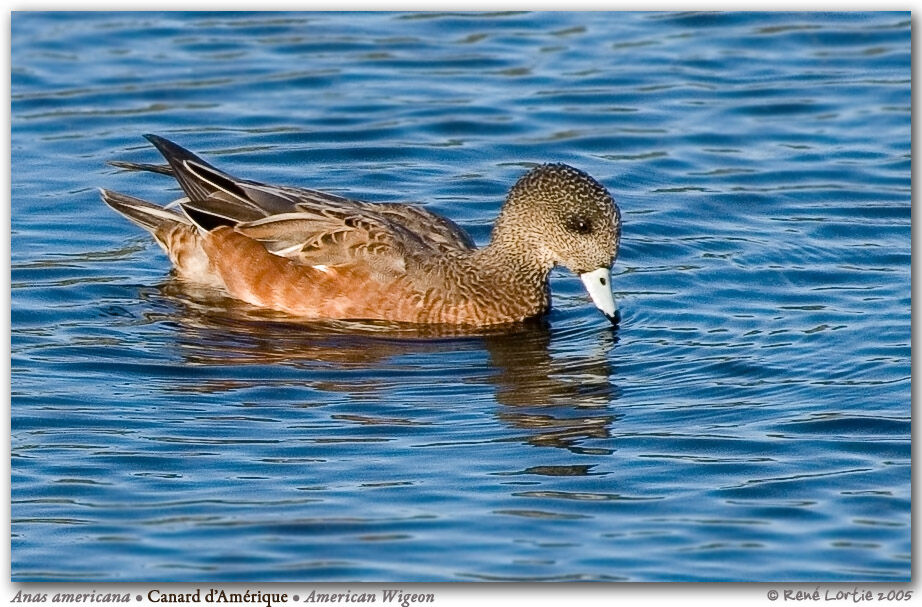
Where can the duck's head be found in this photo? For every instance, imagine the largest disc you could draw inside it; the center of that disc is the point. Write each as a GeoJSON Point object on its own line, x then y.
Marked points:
{"type": "Point", "coordinates": [559, 215]}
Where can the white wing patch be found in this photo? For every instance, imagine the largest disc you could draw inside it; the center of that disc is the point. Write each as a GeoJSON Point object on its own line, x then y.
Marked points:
{"type": "Point", "coordinates": [287, 250]}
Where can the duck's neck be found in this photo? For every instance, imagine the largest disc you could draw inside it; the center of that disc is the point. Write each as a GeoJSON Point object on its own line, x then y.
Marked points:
{"type": "Point", "coordinates": [518, 275]}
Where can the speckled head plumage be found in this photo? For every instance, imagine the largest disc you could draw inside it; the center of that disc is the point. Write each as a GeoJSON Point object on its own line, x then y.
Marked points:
{"type": "Point", "coordinates": [564, 215]}
{"type": "Point", "coordinates": [558, 215]}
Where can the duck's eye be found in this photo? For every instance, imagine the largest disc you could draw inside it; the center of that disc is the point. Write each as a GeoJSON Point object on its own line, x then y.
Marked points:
{"type": "Point", "coordinates": [579, 225]}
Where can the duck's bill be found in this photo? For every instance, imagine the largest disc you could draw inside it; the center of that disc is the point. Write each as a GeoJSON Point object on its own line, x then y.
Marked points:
{"type": "Point", "coordinates": [598, 284]}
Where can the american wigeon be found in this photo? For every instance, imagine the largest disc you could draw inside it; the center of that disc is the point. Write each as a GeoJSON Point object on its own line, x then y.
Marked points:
{"type": "Point", "coordinates": [321, 256]}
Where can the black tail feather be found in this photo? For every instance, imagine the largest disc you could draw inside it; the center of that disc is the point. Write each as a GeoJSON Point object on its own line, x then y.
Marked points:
{"type": "Point", "coordinates": [206, 221]}
{"type": "Point", "coordinates": [145, 214]}
{"type": "Point", "coordinates": [162, 169]}
{"type": "Point", "coordinates": [197, 178]}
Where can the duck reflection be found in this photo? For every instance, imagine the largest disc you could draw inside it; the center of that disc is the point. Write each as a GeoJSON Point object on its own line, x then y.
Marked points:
{"type": "Point", "coordinates": [560, 397]}
{"type": "Point", "coordinates": [554, 386]}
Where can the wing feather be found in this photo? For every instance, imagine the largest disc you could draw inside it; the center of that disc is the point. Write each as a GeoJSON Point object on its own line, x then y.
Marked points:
{"type": "Point", "coordinates": [309, 226]}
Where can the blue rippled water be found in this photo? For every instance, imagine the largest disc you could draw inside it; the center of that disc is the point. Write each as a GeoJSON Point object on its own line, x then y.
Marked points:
{"type": "Point", "coordinates": [748, 421]}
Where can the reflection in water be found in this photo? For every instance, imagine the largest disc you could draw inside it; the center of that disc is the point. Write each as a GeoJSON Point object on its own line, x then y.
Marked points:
{"type": "Point", "coordinates": [553, 385]}
{"type": "Point", "coordinates": [561, 400]}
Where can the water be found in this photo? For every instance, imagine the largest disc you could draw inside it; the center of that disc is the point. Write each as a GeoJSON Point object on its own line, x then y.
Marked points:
{"type": "Point", "coordinates": [748, 421]}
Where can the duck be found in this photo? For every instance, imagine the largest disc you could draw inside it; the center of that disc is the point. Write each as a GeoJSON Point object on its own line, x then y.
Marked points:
{"type": "Point", "coordinates": [321, 256]}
